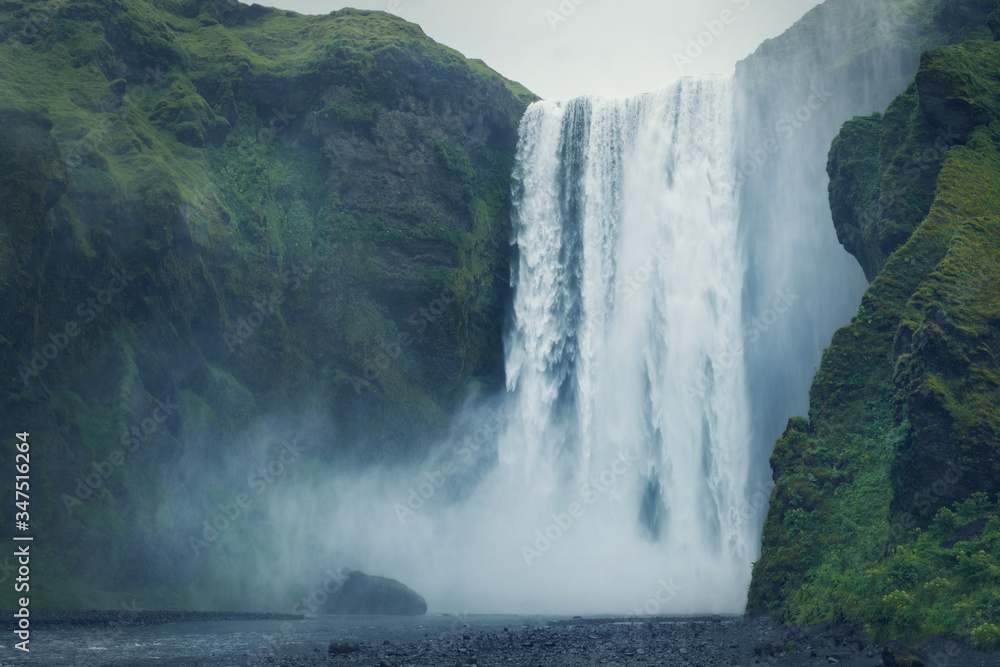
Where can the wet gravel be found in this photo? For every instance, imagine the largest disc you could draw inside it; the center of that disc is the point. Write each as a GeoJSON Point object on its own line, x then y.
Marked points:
{"type": "Point", "coordinates": [42, 620]}
{"type": "Point", "coordinates": [700, 642]}
{"type": "Point", "coordinates": [193, 639]}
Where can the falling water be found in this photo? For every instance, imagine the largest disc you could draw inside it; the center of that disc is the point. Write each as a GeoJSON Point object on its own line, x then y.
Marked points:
{"type": "Point", "coordinates": [624, 470]}
{"type": "Point", "coordinates": [652, 356]}
{"type": "Point", "coordinates": [666, 320]}
{"type": "Point", "coordinates": [624, 351]}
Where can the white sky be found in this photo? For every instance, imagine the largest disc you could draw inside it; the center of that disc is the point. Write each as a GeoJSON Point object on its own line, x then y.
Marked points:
{"type": "Point", "coordinates": [565, 48]}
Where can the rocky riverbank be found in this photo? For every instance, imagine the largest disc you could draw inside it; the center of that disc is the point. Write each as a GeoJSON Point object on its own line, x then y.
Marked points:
{"type": "Point", "coordinates": [702, 642]}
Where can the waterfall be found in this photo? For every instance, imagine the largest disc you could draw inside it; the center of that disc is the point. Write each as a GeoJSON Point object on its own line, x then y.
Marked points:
{"type": "Point", "coordinates": [624, 352]}
{"type": "Point", "coordinates": [676, 276]}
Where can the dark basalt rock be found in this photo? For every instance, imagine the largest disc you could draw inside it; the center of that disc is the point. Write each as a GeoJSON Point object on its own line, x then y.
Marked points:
{"type": "Point", "coordinates": [343, 648]}
{"type": "Point", "coordinates": [967, 533]}
{"type": "Point", "coordinates": [365, 594]}
{"type": "Point", "coordinates": [895, 654]}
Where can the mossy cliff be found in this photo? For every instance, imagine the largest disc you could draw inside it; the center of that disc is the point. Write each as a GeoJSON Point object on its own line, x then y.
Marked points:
{"type": "Point", "coordinates": [844, 58]}
{"type": "Point", "coordinates": [885, 511]}
{"type": "Point", "coordinates": [212, 212]}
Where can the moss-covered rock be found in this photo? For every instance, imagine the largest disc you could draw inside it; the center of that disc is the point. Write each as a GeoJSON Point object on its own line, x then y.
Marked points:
{"type": "Point", "coordinates": [885, 511]}
{"type": "Point", "coordinates": [249, 212]}
{"type": "Point", "coordinates": [884, 168]}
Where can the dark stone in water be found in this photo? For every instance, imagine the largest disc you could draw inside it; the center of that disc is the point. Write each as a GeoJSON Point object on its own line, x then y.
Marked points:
{"type": "Point", "coordinates": [365, 594]}
{"type": "Point", "coordinates": [342, 648]}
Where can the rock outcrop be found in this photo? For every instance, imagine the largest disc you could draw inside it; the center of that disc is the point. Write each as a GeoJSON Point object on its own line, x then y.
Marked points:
{"type": "Point", "coordinates": [362, 593]}
{"type": "Point", "coordinates": [885, 511]}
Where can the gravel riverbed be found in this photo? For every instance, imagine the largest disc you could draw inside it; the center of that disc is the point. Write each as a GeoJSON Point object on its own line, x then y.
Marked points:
{"type": "Point", "coordinates": [641, 642]}
{"type": "Point", "coordinates": [175, 639]}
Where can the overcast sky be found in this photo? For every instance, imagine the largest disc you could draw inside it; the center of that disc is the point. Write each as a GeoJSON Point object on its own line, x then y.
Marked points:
{"type": "Point", "coordinates": [565, 48]}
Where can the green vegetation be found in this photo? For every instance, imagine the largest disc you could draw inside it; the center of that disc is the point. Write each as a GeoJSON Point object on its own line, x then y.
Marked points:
{"type": "Point", "coordinates": [885, 511]}
{"type": "Point", "coordinates": [312, 213]}
{"type": "Point", "coordinates": [893, 161]}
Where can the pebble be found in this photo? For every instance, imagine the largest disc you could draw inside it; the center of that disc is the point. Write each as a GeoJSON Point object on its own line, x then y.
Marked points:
{"type": "Point", "coordinates": [643, 641]}
{"type": "Point", "coordinates": [667, 642]}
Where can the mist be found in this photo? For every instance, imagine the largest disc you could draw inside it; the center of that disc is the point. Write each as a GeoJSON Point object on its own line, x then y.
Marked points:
{"type": "Point", "coordinates": [676, 277]}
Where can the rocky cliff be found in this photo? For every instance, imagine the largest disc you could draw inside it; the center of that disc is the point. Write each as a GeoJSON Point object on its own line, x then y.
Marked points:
{"type": "Point", "coordinates": [885, 511]}
{"type": "Point", "coordinates": [213, 215]}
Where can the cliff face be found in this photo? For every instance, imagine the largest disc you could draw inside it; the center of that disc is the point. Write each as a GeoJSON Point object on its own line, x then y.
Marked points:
{"type": "Point", "coordinates": [884, 169]}
{"type": "Point", "coordinates": [844, 58]}
{"type": "Point", "coordinates": [885, 511]}
{"type": "Point", "coordinates": [212, 213]}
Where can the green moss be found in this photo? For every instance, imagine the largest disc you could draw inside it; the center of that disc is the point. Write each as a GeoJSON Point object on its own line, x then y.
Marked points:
{"type": "Point", "coordinates": [456, 159]}
{"type": "Point", "coordinates": [903, 420]}
{"type": "Point", "coordinates": [339, 173]}
{"type": "Point", "coordinates": [357, 116]}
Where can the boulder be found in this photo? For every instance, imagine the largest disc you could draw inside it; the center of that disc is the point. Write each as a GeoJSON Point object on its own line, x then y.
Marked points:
{"type": "Point", "coordinates": [361, 593]}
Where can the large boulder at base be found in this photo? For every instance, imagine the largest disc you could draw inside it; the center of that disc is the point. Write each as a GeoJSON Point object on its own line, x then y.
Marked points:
{"type": "Point", "coordinates": [365, 594]}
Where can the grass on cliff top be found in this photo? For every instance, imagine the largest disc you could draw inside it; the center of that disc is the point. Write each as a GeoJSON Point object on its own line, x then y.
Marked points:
{"type": "Point", "coordinates": [290, 45]}
{"type": "Point", "coordinates": [148, 141]}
